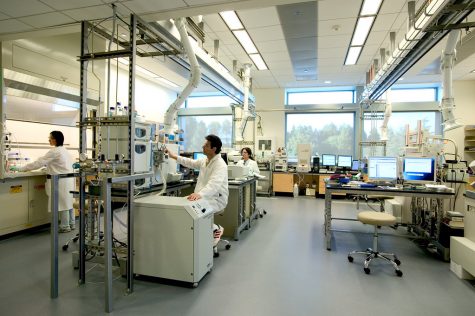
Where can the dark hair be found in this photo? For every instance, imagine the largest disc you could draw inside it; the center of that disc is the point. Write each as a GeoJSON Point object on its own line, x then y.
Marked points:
{"type": "Point", "coordinates": [58, 137]}
{"type": "Point", "coordinates": [249, 151]}
{"type": "Point", "coordinates": [214, 141]}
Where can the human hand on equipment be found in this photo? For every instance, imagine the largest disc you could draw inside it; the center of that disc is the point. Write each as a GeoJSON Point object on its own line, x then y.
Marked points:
{"type": "Point", "coordinates": [170, 153]}
{"type": "Point", "coordinates": [193, 197]}
{"type": "Point", "coordinates": [14, 168]}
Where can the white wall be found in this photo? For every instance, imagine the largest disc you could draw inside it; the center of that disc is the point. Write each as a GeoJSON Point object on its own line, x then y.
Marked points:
{"type": "Point", "coordinates": [270, 106]}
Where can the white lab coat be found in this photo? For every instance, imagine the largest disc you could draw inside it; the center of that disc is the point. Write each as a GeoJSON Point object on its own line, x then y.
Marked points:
{"type": "Point", "coordinates": [251, 164]}
{"type": "Point", "coordinates": [57, 161]}
{"type": "Point", "coordinates": [212, 183]}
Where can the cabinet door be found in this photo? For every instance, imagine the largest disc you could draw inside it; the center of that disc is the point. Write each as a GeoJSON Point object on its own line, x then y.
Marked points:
{"type": "Point", "coordinates": [321, 184]}
{"type": "Point", "coordinates": [14, 205]}
{"type": "Point", "coordinates": [38, 200]}
{"type": "Point", "coordinates": [283, 182]}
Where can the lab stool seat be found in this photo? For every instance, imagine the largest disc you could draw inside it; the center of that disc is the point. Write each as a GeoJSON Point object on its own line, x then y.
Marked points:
{"type": "Point", "coordinates": [376, 219]}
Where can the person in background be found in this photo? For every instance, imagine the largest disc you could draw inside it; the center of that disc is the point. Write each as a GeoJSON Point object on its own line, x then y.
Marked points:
{"type": "Point", "coordinates": [248, 161]}
{"type": "Point", "coordinates": [57, 161]}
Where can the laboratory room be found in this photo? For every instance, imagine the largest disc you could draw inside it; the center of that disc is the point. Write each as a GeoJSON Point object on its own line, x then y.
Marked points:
{"type": "Point", "coordinates": [265, 157]}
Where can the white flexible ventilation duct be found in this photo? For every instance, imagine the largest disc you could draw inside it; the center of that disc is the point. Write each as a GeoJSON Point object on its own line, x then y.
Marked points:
{"type": "Point", "coordinates": [195, 76]}
{"type": "Point", "coordinates": [387, 116]}
{"type": "Point", "coordinates": [447, 105]}
{"type": "Point", "coordinates": [245, 115]}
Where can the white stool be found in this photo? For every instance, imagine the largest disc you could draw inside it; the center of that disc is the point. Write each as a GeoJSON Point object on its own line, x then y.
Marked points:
{"type": "Point", "coordinates": [376, 219]}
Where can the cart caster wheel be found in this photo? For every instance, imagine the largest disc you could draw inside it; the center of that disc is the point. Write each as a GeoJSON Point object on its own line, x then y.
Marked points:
{"type": "Point", "coordinates": [195, 285]}
{"type": "Point", "coordinates": [65, 247]}
{"type": "Point", "coordinates": [367, 270]}
{"type": "Point", "coordinates": [265, 212]}
{"type": "Point", "coordinates": [228, 247]}
{"type": "Point", "coordinates": [261, 216]}
{"type": "Point", "coordinates": [350, 258]}
{"type": "Point", "coordinates": [216, 255]}
{"type": "Point", "coordinates": [396, 261]}
{"type": "Point", "coordinates": [399, 273]}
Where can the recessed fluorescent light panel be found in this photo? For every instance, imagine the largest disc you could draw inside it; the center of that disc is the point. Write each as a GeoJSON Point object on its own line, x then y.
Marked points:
{"type": "Point", "coordinates": [362, 29]}
{"type": "Point", "coordinates": [231, 19]}
{"type": "Point", "coordinates": [370, 7]}
{"type": "Point", "coordinates": [368, 12]}
{"type": "Point", "coordinates": [237, 28]}
{"type": "Point", "coordinates": [353, 55]}
{"type": "Point", "coordinates": [258, 61]}
{"type": "Point", "coordinates": [246, 41]}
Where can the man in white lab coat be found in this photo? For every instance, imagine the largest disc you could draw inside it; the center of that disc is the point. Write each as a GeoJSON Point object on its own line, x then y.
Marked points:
{"type": "Point", "coordinates": [212, 183]}
{"type": "Point", "coordinates": [57, 161]}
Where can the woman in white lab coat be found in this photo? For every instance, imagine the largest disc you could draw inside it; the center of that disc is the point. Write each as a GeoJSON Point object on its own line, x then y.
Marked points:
{"type": "Point", "coordinates": [58, 161]}
{"type": "Point", "coordinates": [248, 161]}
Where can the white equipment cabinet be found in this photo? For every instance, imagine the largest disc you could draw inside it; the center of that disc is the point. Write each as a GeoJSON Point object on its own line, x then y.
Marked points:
{"type": "Point", "coordinates": [173, 238]}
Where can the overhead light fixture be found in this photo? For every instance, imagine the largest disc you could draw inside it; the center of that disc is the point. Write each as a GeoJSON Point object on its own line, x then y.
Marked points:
{"type": "Point", "coordinates": [240, 33]}
{"type": "Point", "coordinates": [368, 12]}
{"type": "Point", "coordinates": [473, 71]}
{"type": "Point", "coordinates": [246, 41]}
{"type": "Point", "coordinates": [370, 7]}
{"type": "Point", "coordinates": [232, 20]}
{"type": "Point", "coordinates": [353, 55]}
{"type": "Point", "coordinates": [258, 61]}
{"type": "Point", "coordinates": [362, 30]}
{"type": "Point", "coordinates": [327, 81]}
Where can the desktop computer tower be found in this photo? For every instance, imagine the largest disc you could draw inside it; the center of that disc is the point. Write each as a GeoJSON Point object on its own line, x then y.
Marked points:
{"type": "Point", "coordinates": [315, 164]}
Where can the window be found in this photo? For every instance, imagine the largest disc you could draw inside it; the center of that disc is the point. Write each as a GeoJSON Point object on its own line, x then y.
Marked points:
{"type": "Point", "coordinates": [208, 101]}
{"type": "Point", "coordinates": [397, 129]}
{"type": "Point", "coordinates": [319, 97]}
{"type": "Point", "coordinates": [414, 95]}
{"type": "Point", "coordinates": [327, 133]}
{"type": "Point", "coordinates": [197, 127]}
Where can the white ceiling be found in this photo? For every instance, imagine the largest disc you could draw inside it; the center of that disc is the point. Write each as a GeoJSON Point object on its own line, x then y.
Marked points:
{"type": "Point", "coordinates": [336, 21]}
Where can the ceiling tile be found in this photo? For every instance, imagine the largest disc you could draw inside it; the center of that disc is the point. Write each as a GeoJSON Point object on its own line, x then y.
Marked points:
{"type": "Point", "coordinates": [334, 41]}
{"type": "Point", "coordinates": [215, 23]}
{"type": "Point", "coordinates": [332, 52]}
{"type": "Point", "coordinates": [384, 22]}
{"type": "Point", "coordinates": [393, 7]}
{"type": "Point", "coordinates": [147, 6]}
{"type": "Point", "coordinates": [336, 27]}
{"type": "Point", "coordinates": [226, 38]}
{"type": "Point", "coordinates": [24, 8]}
{"type": "Point", "coordinates": [272, 46]}
{"type": "Point", "coordinates": [259, 17]}
{"type": "Point", "coordinates": [4, 16]}
{"type": "Point", "coordinates": [268, 33]}
{"type": "Point", "coordinates": [89, 13]}
{"type": "Point", "coordinates": [64, 5]}
{"type": "Point", "coordinates": [12, 25]}
{"type": "Point", "coordinates": [47, 19]}
{"type": "Point", "coordinates": [331, 10]}
{"type": "Point", "coordinates": [276, 56]}
{"type": "Point", "coordinates": [202, 2]}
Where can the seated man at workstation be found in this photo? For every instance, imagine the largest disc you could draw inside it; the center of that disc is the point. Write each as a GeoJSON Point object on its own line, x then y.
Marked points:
{"type": "Point", "coordinates": [212, 183]}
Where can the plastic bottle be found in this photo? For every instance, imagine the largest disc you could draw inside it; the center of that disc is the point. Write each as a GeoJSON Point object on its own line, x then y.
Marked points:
{"type": "Point", "coordinates": [111, 111]}
{"type": "Point", "coordinates": [296, 190]}
{"type": "Point", "coordinates": [118, 109]}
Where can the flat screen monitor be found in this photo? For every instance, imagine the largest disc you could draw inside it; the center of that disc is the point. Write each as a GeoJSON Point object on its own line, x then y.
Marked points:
{"type": "Point", "coordinates": [328, 160]}
{"type": "Point", "coordinates": [345, 161]}
{"type": "Point", "coordinates": [382, 168]}
{"type": "Point", "coordinates": [198, 155]}
{"type": "Point", "coordinates": [419, 169]}
{"type": "Point", "coordinates": [355, 165]}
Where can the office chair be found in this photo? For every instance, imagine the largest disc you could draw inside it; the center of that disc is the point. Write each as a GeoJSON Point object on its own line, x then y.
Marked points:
{"type": "Point", "coordinates": [376, 219]}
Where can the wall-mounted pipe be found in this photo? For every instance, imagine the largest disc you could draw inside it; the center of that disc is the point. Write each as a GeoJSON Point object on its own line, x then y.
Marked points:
{"type": "Point", "coordinates": [195, 76]}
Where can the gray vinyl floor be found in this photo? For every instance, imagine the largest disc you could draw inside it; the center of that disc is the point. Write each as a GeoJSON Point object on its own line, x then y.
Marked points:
{"type": "Point", "coordinates": [279, 267]}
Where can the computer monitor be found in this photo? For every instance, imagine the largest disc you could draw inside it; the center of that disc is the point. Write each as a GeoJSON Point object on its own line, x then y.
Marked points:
{"type": "Point", "coordinates": [382, 169]}
{"type": "Point", "coordinates": [355, 166]}
{"type": "Point", "coordinates": [344, 161]}
{"type": "Point", "coordinates": [328, 160]}
{"type": "Point", "coordinates": [419, 169]}
{"type": "Point", "coordinates": [198, 155]}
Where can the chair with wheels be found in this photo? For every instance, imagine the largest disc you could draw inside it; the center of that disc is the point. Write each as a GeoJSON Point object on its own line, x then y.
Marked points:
{"type": "Point", "coordinates": [218, 231]}
{"type": "Point", "coordinates": [376, 219]}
